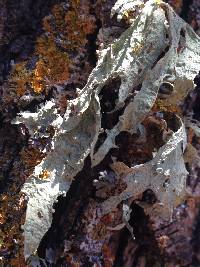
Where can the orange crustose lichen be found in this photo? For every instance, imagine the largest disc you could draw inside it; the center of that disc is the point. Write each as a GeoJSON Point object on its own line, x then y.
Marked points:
{"type": "Point", "coordinates": [65, 35]}
{"type": "Point", "coordinates": [162, 105]}
{"type": "Point", "coordinates": [44, 174]}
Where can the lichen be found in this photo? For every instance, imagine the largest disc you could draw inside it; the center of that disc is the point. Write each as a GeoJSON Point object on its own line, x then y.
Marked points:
{"type": "Point", "coordinates": [11, 218]}
{"type": "Point", "coordinates": [165, 175]}
{"type": "Point", "coordinates": [65, 33]}
{"type": "Point", "coordinates": [167, 47]}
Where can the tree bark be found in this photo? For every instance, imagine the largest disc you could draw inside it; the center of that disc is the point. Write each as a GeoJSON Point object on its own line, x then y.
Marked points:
{"type": "Point", "coordinates": [34, 54]}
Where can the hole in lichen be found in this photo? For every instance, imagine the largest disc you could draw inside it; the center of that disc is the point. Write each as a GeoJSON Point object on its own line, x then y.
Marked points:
{"type": "Point", "coordinates": [182, 33]}
{"type": "Point", "coordinates": [139, 148]}
{"type": "Point", "coordinates": [182, 41]}
{"type": "Point", "coordinates": [173, 122]}
{"type": "Point", "coordinates": [149, 197]}
{"type": "Point", "coordinates": [108, 97]}
{"type": "Point", "coordinates": [109, 94]}
{"type": "Point", "coordinates": [129, 151]}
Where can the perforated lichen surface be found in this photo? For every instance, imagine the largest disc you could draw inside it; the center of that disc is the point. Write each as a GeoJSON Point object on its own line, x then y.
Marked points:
{"type": "Point", "coordinates": [158, 48]}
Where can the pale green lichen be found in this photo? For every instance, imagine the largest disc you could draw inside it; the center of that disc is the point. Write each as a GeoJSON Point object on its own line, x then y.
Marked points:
{"type": "Point", "coordinates": [146, 53]}
{"type": "Point", "coordinates": [165, 175]}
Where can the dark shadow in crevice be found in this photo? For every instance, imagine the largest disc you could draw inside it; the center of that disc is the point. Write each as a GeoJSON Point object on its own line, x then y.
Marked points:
{"type": "Point", "coordinates": [145, 243]}
{"type": "Point", "coordinates": [185, 9]}
{"type": "Point", "coordinates": [108, 97]}
{"type": "Point", "coordinates": [33, 105]}
{"type": "Point", "coordinates": [64, 218]}
{"type": "Point", "coordinates": [110, 113]}
{"type": "Point", "coordinates": [69, 212]}
{"type": "Point", "coordinates": [91, 45]}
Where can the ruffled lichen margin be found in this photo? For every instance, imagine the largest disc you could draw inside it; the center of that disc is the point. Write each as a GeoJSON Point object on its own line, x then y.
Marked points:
{"type": "Point", "coordinates": [157, 47]}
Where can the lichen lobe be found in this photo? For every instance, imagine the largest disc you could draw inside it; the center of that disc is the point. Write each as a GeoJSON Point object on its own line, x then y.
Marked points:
{"type": "Point", "coordinates": [149, 52]}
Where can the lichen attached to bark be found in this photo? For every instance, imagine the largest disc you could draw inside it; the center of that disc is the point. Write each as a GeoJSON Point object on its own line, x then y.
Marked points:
{"type": "Point", "coordinates": [158, 47]}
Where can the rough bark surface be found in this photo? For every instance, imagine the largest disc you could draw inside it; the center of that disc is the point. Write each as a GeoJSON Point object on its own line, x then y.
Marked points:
{"type": "Point", "coordinates": [83, 182]}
